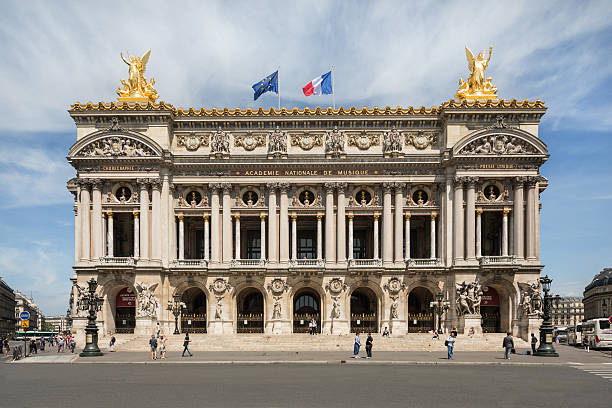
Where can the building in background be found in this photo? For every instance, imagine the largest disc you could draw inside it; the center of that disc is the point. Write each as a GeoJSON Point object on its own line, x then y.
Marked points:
{"type": "Point", "coordinates": [598, 296]}
{"type": "Point", "coordinates": [7, 309]}
{"type": "Point", "coordinates": [26, 304]}
{"type": "Point", "coordinates": [567, 310]}
{"type": "Point", "coordinates": [56, 323]}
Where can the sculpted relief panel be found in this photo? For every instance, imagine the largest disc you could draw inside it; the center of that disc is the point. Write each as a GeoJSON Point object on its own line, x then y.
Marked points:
{"type": "Point", "coordinates": [499, 144]}
{"type": "Point", "coordinates": [114, 146]}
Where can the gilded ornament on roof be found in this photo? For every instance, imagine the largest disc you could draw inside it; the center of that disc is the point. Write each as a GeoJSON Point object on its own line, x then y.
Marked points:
{"type": "Point", "coordinates": [137, 88]}
{"type": "Point", "coordinates": [477, 85]}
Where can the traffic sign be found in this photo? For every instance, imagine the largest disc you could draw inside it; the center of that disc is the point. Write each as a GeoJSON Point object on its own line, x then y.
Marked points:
{"type": "Point", "coordinates": [25, 323]}
{"type": "Point", "coordinates": [24, 315]}
{"type": "Point", "coordinates": [610, 319]}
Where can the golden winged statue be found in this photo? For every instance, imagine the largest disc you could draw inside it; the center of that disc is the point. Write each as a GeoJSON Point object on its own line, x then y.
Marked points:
{"type": "Point", "coordinates": [477, 85]}
{"type": "Point", "coordinates": [137, 88]}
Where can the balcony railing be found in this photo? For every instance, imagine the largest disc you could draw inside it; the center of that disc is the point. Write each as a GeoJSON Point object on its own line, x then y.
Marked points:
{"type": "Point", "coordinates": [118, 260]}
{"type": "Point", "coordinates": [423, 263]}
{"type": "Point", "coordinates": [498, 260]}
{"type": "Point", "coordinates": [364, 263]}
{"type": "Point", "coordinates": [306, 263]}
{"type": "Point", "coordinates": [248, 263]}
{"type": "Point", "coordinates": [193, 263]}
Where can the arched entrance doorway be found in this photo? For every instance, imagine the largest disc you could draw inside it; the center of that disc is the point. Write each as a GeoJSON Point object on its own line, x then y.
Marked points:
{"type": "Point", "coordinates": [364, 311]}
{"type": "Point", "coordinates": [193, 317]}
{"type": "Point", "coordinates": [490, 311]}
{"type": "Point", "coordinates": [306, 306]}
{"type": "Point", "coordinates": [125, 311]}
{"type": "Point", "coordinates": [250, 311]}
{"type": "Point", "coordinates": [420, 313]}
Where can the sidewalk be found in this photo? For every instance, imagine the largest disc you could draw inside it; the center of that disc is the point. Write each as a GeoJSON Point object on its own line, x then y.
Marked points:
{"type": "Point", "coordinates": [568, 356]}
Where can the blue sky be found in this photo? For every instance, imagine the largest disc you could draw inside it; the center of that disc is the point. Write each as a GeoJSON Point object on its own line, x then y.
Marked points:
{"type": "Point", "coordinates": [208, 54]}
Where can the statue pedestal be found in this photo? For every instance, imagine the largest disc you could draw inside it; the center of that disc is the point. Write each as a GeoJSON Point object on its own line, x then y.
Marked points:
{"type": "Point", "coordinates": [468, 321]}
{"type": "Point", "coordinates": [220, 327]}
{"type": "Point", "coordinates": [78, 329]}
{"type": "Point", "coordinates": [145, 326]}
{"type": "Point", "coordinates": [278, 327]}
{"type": "Point", "coordinates": [395, 326]}
{"type": "Point", "coordinates": [528, 325]}
{"type": "Point", "coordinates": [335, 326]}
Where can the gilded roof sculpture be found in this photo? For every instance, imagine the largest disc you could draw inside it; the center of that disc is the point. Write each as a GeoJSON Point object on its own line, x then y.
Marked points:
{"type": "Point", "coordinates": [477, 85]}
{"type": "Point", "coordinates": [137, 88]}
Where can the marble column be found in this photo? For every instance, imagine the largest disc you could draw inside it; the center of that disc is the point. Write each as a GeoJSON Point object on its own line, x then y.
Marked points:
{"type": "Point", "coordinates": [398, 223]}
{"type": "Point", "coordinates": [341, 225]}
{"type": "Point", "coordinates": [272, 225]}
{"type": "Point", "coordinates": [432, 243]}
{"type": "Point", "coordinates": [206, 237]}
{"type": "Point", "coordinates": [237, 227]}
{"type": "Point", "coordinates": [407, 237]}
{"type": "Point", "coordinates": [505, 232]}
{"type": "Point", "coordinates": [156, 220]}
{"type": "Point", "coordinates": [350, 237]}
{"type": "Point", "coordinates": [144, 218]}
{"type": "Point", "coordinates": [284, 223]}
{"type": "Point", "coordinates": [470, 218]}
{"type": "Point", "coordinates": [85, 229]}
{"type": "Point", "coordinates": [330, 239]}
{"type": "Point", "coordinates": [96, 228]}
{"type": "Point", "coordinates": [293, 237]}
{"type": "Point", "coordinates": [226, 221]}
{"type": "Point", "coordinates": [165, 223]}
{"type": "Point", "coordinates": [458, 219]}
{"type": "Point", "coordinates": [319, 236]}
{"type": "Point", "coordinates": [478, 233]}
{"type": "Point", "coordinates": [181, 237]}
{"type": "Point", "coordinates": [77, 232]}
{"type": "Point", "coordinates": [262, 239]}
{"type": "Point", "coordinates": [531, 212]}
{"type": "Point", "coordinates": [215, 229]}
{"type": "Point", "coordinates": [376, 238]}
{"type": "Point", "coordinates": [110, 236]}
{"type": "Point", "coordinates": [387, 225]}
{"type": "Point", "coordinates": [136, 234]}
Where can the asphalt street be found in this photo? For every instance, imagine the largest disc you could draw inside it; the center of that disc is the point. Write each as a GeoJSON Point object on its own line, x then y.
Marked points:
{"type": "Point", "coordinates": [294, 385]}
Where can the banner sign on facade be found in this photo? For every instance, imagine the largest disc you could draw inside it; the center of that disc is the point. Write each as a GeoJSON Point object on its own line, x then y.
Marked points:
{"type": "Point", "coordinates": [490, 297]}
{"type": "Point", "coordinates": [126, 298]}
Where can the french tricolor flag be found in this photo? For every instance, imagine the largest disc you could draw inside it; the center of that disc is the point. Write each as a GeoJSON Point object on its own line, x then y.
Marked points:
{"type": "Point", "coordinates": [321, 85]}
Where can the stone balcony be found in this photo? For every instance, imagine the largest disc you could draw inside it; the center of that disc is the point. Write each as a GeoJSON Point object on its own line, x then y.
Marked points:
{"type": "Point", "coordinates": [424, 263]}
{"type": "Point", "coordinates": [118, 260]}
{"type": "Point", "coordinates": [492, 261]}
{"type": "Point", "coordinates": [306, 263]}
{"type": "Point", "coordinates": [190, 263]}
{"type": "Point", "coordinates": [248, 263]}
{"type": "Point", "coordinates": [365, 263]}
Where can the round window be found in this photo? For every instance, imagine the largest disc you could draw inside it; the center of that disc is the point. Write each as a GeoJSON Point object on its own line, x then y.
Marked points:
{"type": "Point", "coordinates": [363, 197]}
{"type": "Point", "coordinates": [193, 197]}
{"type": "Point", "coordinates": [307, 197]}
{"type": "Point", "coordinates": [491, 192]}
{"type": "Point", "coordinates": [250, 197]}
{"type": "Point", "coordinates": [420, 197]}
{"type": "Point", "coordinates": [123, 193]}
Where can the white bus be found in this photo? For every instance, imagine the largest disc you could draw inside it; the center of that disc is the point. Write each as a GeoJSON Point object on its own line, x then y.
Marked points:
{"type": "Point", "coordinates": [574, 335]}
{"type": "Point", "coordinates": [598, 333]}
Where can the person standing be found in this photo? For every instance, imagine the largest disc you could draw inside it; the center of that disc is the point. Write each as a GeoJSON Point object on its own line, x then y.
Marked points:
{"type": "Point", "coordinates": [157, 330]}
{"type": "Point", "coordinates": [112, 343]}
{"type": "Point", "coordinates": [153, 344]}
{"type": "Point", "coordinates": [186, 345]}
{"type": "Point", "coordinates": [314, 327]}
{"type": "Point", "coordinates": [454, 332]}
{"type": "Point", "coordinates": [450, 344]}
{"type": "Point", "coordinates": [7, 346]}
{"type": "Point", "coordinates": [585, 343]}
{"type": "Point", "coordinates": [534, 341]}
{"type": "Point", "coordinates": [310, 327]}
{"type": "Point", "coordinates": [369, 342]}
{"type": "Point", "coordinates": [356, 346]}
{"type": "Point", "coordinates": [162, 347]}
{"type": "Point", "coordinates": [72, 345]}
{"type": "Point", "coordinates": [508, 344]}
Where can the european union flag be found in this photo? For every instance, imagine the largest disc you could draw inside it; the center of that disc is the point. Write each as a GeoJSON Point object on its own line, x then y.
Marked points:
{"type": "Point", "coordinates": [269, 83]}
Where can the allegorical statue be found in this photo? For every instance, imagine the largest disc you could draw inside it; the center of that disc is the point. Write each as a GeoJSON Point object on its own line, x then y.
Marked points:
{"type": "Point", "coordinates": [137, 88]}
{"type": "Point", "coordinates": [477, 85]}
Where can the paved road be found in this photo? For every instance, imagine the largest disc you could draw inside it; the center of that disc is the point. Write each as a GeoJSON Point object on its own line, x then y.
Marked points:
{"type": "Point", "coordinates": [292, 385]}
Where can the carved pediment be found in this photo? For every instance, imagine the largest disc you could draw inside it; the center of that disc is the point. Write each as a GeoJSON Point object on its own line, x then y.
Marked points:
{"type": "Point", "coordinates": [498, 141]}
{"type": "Point", "coordinates": [115, 145]}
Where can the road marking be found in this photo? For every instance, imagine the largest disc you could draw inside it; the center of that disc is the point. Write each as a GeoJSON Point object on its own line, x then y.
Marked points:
{"type": "Point", "coordinates": [600, 371]}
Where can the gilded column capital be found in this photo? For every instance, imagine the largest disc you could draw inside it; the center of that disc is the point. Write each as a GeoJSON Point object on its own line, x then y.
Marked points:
{"type": "Point", "coordinates": [350, 216]}
{"type": "Point", "coordinates": [407, 216]}
{"type": "Point", "coordinates": [136, 214]}
{"type": "Point", "coordinates": [180, 217]}
{"type": "Point", "coordinates": [319, 217]}
{"type": "Point", "coordinates": [376, 216]}
{"type": "Point", "coordinates": [478, 212]}
{"type": "Point", "coordinates": [237, 217]}
{"type": "Point", "coordinates": [205, 217]}
{"type": "Point", "coordinates": [262, 217]}
{"type": "Point", "coordinates": [109, 214]}
{"type": "Point", "coordinates": [506, 212]}
{"type": "Point", "coordinates": [434, 216]}
{"type": "Point", "coordinates": [293, 217]}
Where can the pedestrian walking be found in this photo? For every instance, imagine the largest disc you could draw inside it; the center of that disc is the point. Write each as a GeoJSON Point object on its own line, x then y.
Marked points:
{"type": "Point", "coordinates": [450, 344]}
{"type": "Point", "coordinates": [162, 346]}
{"type": "Point", "coordinates": [72, 345]}
{"type": "Point", "coordinates": [7, 346]}
{"type": "Point", "coordinates": [369, 342]}
{"type": "Point", "coordinates": [356, 346]}
{"type": "Point", "coordinates": [111, 345]}
{"type": "Point", "coordinates": [186, 345]}
{"type": "Point", "coordinates": [42, 344]}
{"type": "Point", "coordinates": [508, 345]}
{"type": "Point", "coordinates": [153, 344]}
{"type": "Point", "coordinates": [585, 343]}
{"type": "Point", "coordinates": [157, 330]}
{"type": "Point", "coordinates": [534, 341]}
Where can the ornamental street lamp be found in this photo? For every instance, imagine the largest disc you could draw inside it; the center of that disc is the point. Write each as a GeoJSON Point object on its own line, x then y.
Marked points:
{"type": "Point", "coordinates": [93, 304]}
{"type": "Point", "coordinates": [546, 348]}
{"type": "Point", "coordinates": [176, 308]}
{"type": "Point", "coordinates": [558, 316]}
{"type": "Point", "coordinates": [441, 306]}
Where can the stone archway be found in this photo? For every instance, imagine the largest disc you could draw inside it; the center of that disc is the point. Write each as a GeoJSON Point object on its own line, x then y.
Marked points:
{"type": "Point", "coordinates": [125, 310]}
{"type": "Point", "coordinates": [420, 313]}
{"type": "Point", "coordinates": [498, 315]}
{"type": "Point", "coordinates": [250, 311]}
{"type": "Point", "coordinates": [364, 310]}
{"type": "Point", "coordinates": [306, 306]}
{"type": "Point", "coordinates": [194, 316]}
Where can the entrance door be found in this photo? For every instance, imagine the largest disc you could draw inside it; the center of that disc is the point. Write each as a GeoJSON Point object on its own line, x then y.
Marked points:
{"type": "Point", "coordinates": [420, 314]}
{"type": "Point", "coordinates": [489, 309]}
{"type": "Point", "coordinates": [193, 316]}
{"type": "Point", "coordinates": [125, 311]}
{"type": "Point", "coordinates": [250, 311]}
{"type": "Point", "coordinates": [306, 306]}
{"type": "Point", "coordinates": [364, 311]}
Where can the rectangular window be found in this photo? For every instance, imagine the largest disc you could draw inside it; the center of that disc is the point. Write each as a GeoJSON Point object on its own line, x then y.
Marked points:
{"type": "Point", "coordinates": [360, 244]}
{"type": "Point", "coordinates": [253, 244]}
{"type": "Point", "coordinates": [307, 244]}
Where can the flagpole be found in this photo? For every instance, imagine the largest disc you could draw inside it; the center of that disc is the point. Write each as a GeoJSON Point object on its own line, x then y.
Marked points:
{"type": "Point", "coordinates": [278, 85]}
{"type": "Point", "coordinates": [333, 88]}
